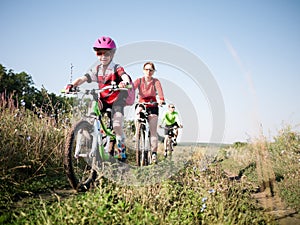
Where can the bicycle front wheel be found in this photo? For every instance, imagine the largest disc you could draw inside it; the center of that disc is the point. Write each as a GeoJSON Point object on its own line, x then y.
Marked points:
{"type": "Point", "coordinates": [140, 145]}
{"type": "Point", "coordinates": [169, 146]}
{"type": "Point", "coordinates": [77, 163]}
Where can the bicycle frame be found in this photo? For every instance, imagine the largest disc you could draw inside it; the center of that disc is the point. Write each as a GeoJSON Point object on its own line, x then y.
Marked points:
{"type": "Point", "coordinates": [97, 135]}
{"type": "Point", "coordinates": [146, 130]}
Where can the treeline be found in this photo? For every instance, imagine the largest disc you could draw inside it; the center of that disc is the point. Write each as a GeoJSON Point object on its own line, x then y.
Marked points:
{"type": "Point", "coordinates": [19, 88]}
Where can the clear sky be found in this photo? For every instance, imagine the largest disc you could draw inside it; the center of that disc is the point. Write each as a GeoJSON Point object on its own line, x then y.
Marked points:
{"type": "Point", "coordinates": [252, 49]}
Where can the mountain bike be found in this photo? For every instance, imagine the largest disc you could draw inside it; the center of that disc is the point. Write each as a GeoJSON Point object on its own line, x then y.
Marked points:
{"type": "Point", "coordinates": [169, 140]}
{"type": "Point", "coordinates": [142, 136]}
{"type": "Point", "coordinates": [91, 141]}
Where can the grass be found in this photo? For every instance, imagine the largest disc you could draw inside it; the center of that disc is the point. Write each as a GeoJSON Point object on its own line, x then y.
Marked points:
{"type": "Point", "coordinates": [189, 197]}
{"type": "Point", "coordinates": [206, 189]}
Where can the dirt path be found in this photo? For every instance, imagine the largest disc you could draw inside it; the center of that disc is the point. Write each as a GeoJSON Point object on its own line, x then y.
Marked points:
{"type": "Point", "coordinates": [275, 206]}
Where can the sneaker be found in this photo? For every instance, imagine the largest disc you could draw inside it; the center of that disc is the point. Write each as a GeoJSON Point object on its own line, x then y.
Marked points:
{"type": "Point", "coordinates": [174, 142]}
{"type": "Point", "coordinates": [154, 157]}
{"type": "Point", "coordinates": [165, 154]}
{"type": "Point", "coordinates": [121, 150]}
{"type": "Point", "coordinates": [123, 160]}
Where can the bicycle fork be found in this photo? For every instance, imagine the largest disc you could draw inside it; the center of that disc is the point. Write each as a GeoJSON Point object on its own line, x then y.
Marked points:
{"type": "Point", "coordinates": [80, 141]}
{"type": "Point", "coordinates": [98, 142]}
{"type": "Point", "coordinates": [79, 144]}
{"type": "Point", "coordinates": [147, 147]}
{"type": "Point", "coordinates": [147, 137]}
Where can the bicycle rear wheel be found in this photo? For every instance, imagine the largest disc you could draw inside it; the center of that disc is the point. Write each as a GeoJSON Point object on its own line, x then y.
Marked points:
{"type": "Point", "coordinates": [79, 169]}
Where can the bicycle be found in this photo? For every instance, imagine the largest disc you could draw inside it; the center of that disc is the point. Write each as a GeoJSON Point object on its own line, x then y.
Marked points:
{"type": "Point", "coordinates": [142, 136]}
{"type": "Point", "coordinates": [169, 140]}
{"type": "Point", "coordinates": [90, 142]}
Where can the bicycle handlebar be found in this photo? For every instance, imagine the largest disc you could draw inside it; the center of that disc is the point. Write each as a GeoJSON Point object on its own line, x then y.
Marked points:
{"type": "Point", "coordinates": [150, 103]}
{"type": "Point", "coordinates": [170, 128]}
{"type": "Point", "coordinates": [113, 87]}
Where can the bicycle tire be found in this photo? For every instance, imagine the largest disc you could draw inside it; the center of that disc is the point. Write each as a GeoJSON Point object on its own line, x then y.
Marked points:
{"type": "Point", "coordinates": [148, 153]}
{"type": "Point", "coordinates": [79, 170]}
{"type": "Point", "coordinates": [140, 145]}
{"type": "Point", "coordinates": [170, 146]}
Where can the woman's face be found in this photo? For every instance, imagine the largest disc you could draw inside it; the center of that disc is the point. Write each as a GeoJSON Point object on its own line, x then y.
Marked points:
{"type": "Point", "coordinates": [148, 70]}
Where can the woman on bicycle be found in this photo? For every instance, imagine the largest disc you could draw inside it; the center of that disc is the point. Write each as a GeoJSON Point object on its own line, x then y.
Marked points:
{"type": "Point", "coordinates": [172, 121]}
{"type": "Point", "coordinates": [147, 88]}
{"type": "Point", "coordinates": [108, 73]}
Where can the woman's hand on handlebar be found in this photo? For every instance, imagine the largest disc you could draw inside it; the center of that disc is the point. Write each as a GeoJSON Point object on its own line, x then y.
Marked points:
{"type": "Point", "coordinates": [161, 102]}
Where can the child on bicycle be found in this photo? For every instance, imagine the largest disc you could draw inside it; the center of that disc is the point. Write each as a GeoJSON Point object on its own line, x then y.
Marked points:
{"type": "Point", "coordinates": [147, 86]}
{"type": "Point", "coordinates": [171, 120]}
{"type": "Point", "coordinates": [108, 73]}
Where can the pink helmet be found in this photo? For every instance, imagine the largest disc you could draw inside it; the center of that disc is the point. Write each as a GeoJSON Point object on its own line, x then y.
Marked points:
{"type": "Point", "coordinates": [104, 43]}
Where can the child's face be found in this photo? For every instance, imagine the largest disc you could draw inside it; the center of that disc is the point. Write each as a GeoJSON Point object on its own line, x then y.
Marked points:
{"type": "Point", "coordinates": [104, 56]}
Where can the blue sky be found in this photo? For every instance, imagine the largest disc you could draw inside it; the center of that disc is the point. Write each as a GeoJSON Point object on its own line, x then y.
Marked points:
{"type": "Point", "coordinates": [252, 48]}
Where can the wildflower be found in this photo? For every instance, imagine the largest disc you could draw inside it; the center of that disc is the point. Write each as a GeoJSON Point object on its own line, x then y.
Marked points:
{"type": "Point", "coordinates": [204, 169]}
{"type": "Point", "coordinates": [203, 207]}
{"type": "Point", "coordinates": [28, 138]}
{"type": "Point", "coordinates": [23, 103]}
{"type": "Point", "coordinates": [204, 199]}
{"type": "Point", "coordinates": [211, 191]}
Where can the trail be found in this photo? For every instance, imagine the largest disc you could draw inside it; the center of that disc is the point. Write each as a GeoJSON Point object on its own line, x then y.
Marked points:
{"type": "Point", "coordinates": [268, 197]}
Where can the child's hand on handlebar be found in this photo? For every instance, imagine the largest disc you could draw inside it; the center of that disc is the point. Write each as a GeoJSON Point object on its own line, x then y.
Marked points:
{"type": "Point", "coordinates": [123, 84]}
{"type": "Point", "coordinates": [69, 88]}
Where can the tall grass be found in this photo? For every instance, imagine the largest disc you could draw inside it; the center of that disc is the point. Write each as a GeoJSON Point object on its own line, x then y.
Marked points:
{"type": "Point", "coordinates": [285, 153]}
{"type": "Point", "coordinates": [30, 149]}
{"type": "Point", "coordinates": [209, 189]}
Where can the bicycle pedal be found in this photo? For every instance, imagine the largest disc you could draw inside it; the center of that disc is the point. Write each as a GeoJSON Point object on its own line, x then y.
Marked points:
{"type": "Point", "coordinates": [154, 158]}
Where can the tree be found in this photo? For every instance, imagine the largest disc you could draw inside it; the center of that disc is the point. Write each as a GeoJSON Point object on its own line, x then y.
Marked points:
{"type": "Point", "coordinates": [19, 87]}
{"type": "Point", "coordinates": [15, 84]}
